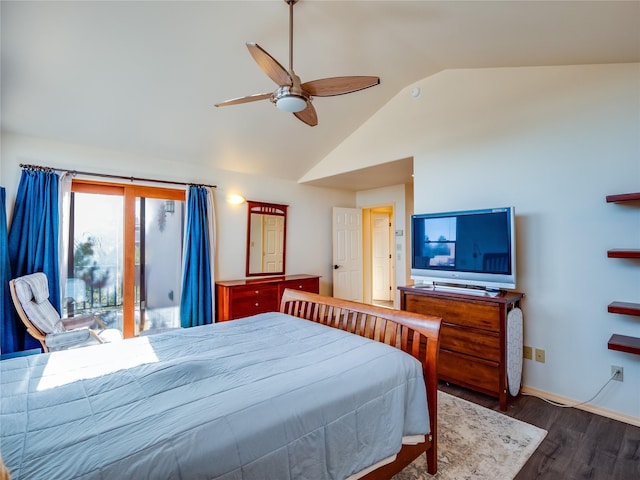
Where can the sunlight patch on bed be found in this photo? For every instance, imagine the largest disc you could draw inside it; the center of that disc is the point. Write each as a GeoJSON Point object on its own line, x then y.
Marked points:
{"type": "Point", "coordinates": [91, 362]}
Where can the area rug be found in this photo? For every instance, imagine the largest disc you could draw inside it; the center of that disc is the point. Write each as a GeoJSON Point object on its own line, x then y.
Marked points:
{"type": "Point", "coordinates": [476, 443]}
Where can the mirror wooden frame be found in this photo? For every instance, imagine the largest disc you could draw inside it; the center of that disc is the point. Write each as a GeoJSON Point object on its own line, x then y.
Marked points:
{"type": "Point", "coordinates": [262, 208]}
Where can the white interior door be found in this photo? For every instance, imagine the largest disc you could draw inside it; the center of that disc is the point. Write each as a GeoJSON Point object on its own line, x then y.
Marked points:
{"type": "Point", "coordinates": [381, 257]}
{"type": "Point", "coordinates": [347, 253]}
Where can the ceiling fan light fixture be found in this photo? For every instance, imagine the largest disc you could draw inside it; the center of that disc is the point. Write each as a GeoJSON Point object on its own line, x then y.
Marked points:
{"type": "Point", "coordinates": [291, 103]}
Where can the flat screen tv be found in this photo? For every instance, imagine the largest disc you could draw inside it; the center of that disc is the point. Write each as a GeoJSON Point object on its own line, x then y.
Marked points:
{"type": "Point", "coordinates": [474, 248]}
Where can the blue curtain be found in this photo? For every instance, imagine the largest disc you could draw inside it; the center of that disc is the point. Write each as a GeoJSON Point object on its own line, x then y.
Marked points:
{"type": "Point", "coordinates": [8, 333]}
{"type": "Point", "coordinates": [33, 237]}
{"type": "Point", "coordinates": [196, 303]}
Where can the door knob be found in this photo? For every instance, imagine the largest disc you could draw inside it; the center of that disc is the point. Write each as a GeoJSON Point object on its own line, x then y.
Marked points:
{"type": "Point", "coordinates": [335, 267]}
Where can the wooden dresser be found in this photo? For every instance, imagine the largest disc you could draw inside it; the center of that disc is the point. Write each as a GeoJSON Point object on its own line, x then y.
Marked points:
{"type": "Point", "coordinates": [242, 298]}
{"type": "Point", "coordinates": [473, 343]}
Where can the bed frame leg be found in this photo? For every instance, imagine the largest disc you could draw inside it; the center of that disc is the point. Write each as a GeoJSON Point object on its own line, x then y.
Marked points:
{"type": "Point", "coordinates": [432, 465]}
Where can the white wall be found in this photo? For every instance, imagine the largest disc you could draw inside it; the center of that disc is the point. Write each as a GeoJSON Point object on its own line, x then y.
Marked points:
{"type": "Point", "coordinates": [309, 212]}
{"type": "Point", "coordinates": [553, 142]}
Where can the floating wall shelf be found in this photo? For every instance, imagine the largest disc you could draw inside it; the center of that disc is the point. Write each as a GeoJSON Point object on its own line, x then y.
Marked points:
{"type": "Point", "coordinates": [623, 343]}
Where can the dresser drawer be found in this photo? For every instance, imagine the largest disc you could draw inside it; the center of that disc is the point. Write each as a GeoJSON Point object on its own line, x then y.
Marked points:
{"type": "Point", "coordinates": [470, 341]}
{"type": "Point", "coordinates": [256, 292]}
{"type": "Point", "coordinates": [469, 371]}
{"type": "Point", "coordinates": [481, 315]}
{"type": "Point", "coordinates": [306, 284]}
{"type": "Point", "coordinates": [245, 307]}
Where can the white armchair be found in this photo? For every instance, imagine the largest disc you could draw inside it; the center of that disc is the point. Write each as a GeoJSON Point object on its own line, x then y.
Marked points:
{"type": "Point", "coordinates": [30, 295]}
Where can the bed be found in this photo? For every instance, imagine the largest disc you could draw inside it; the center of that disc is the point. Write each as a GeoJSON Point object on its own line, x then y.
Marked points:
{"type": "Point", "coordinates": [273, 396]}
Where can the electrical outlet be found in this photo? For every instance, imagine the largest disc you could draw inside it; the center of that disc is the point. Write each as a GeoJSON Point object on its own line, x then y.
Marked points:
{"type": "Point", "coordinates": [527, 353]}
{"type": "Point", "coordinates": [617, 373]}
{"type": "Point", "coordinates": [539, 355]}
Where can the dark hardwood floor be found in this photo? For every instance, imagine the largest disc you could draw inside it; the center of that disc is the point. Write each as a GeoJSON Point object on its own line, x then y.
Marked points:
{"type": "Point", "coordinates": [578, 445]}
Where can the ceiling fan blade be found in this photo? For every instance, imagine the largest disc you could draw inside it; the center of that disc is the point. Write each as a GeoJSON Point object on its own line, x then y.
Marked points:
{"type": "Point", "coordinates": [328, 87]}
{"type": "Point", "coordinates": [270, 65]}
{"type": "Point", "coordinates": [250, 98]}
{"type": "Point", "coordinates": [308, 115]}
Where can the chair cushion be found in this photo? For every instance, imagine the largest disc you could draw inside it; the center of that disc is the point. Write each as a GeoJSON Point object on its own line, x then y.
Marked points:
{"type": "Point", "coordinates": [42, 315]}
{"type": "Point", "coordinates": [39, 286]}
{"type": "Point", "coordinates": [71, 339]}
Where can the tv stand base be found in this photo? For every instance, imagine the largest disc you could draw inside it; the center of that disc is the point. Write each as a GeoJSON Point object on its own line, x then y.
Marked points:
{"type": "Point", "coordinates": [464, 289]}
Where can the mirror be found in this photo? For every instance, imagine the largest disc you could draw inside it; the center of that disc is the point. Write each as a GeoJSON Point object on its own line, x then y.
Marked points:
{"type": "Point", "coordinates": [266, 238]}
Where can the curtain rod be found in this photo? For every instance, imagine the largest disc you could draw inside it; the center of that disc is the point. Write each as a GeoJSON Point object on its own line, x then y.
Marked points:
{"type": "Point", "coordinates": [106, 175]}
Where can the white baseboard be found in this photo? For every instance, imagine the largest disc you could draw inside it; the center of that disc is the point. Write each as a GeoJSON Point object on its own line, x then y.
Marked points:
{"type": "Point", "coordinates": [587, 407]}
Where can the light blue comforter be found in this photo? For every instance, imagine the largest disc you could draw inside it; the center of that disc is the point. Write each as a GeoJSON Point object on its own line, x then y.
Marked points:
{"type": "Point", "coordinates": [266, 397]}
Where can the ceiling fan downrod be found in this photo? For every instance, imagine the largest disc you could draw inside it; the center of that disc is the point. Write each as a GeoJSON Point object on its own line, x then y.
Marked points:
{"type": "Point", "coordinates": [291, 3]}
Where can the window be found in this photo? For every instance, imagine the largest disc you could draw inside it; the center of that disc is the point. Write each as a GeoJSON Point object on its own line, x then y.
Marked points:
{"type": "Point", "coordinates": [125, 255]}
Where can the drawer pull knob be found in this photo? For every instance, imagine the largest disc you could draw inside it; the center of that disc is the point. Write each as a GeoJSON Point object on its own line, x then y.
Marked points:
{"type": "Point", "coordinates": [300, 287]}
{"type": "Point", "coordinates": [257, 292]}
{"type": "Point", "coordinates": [257, 304]}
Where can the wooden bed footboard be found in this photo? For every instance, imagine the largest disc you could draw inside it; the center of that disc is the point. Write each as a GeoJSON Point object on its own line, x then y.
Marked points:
{"type": "Point", "coordinates": [418, 335]}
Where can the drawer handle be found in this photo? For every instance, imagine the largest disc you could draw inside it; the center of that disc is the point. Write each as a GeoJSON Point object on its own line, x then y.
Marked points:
{"type": "Point", "coordinates": [257, 304]}
{"type": "Point", "coordinates": [300, 287]}
{"type": "Point", "coordinates": [257, 292]}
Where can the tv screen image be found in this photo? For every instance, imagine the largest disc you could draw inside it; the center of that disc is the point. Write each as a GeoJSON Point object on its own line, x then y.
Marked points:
{"type": "Point", "coordinates": [474, 247]}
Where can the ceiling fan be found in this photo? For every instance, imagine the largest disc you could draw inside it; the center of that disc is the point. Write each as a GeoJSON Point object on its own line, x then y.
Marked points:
{"type": "Point", "coordinates": [291, 95]}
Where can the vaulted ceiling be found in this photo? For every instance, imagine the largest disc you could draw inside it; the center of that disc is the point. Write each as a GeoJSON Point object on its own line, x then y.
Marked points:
{"type": "Point", "coordinates": [143, 77]}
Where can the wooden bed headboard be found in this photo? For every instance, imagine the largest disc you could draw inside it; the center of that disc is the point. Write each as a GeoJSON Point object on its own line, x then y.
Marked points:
{"type": "Point", "coordinates": [418, 335]}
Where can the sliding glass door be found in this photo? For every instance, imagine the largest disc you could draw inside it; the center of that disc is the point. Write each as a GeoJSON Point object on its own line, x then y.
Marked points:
{"type": "Point", "coordinates": [159, 264]}
{"type": "Point", "coordinates": [125, 255]}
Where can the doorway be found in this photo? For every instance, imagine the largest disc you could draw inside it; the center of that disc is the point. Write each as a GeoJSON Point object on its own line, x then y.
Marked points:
{"type": "Point", "coordinates": [378, 258]}
{"type": "Point", "coordinates": [396, 199]}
